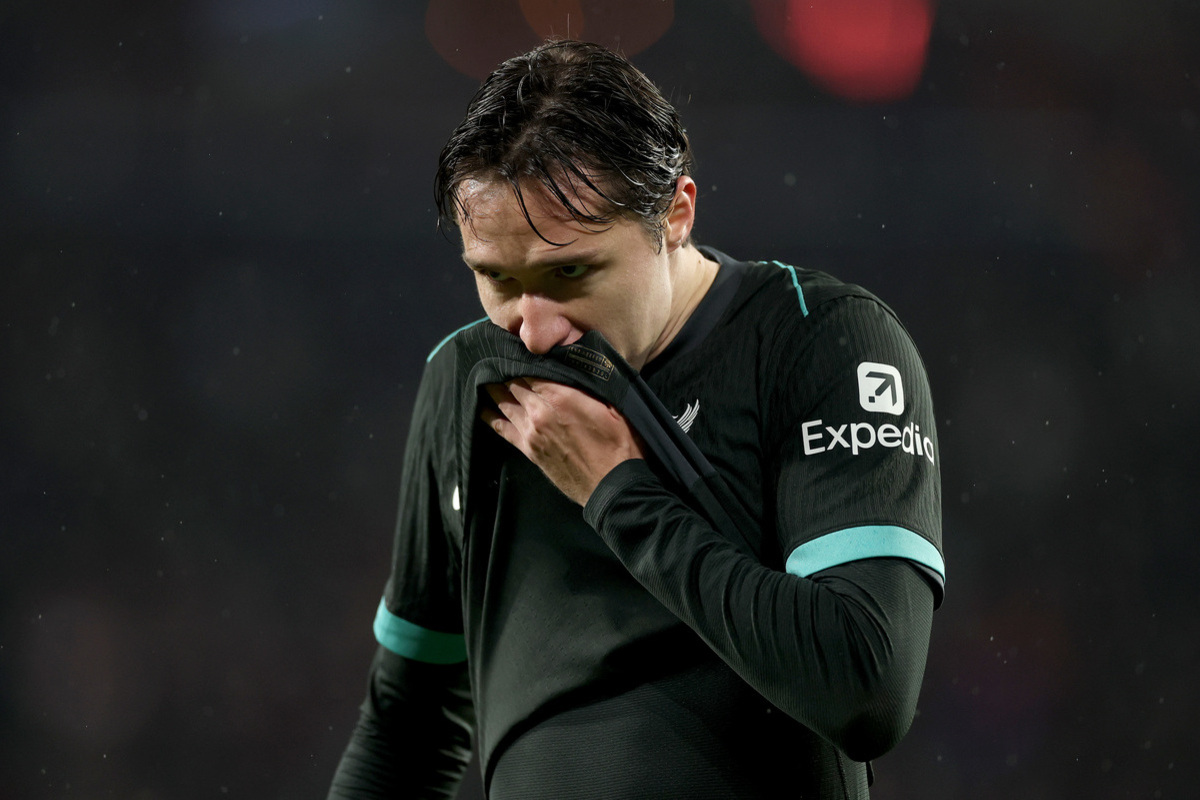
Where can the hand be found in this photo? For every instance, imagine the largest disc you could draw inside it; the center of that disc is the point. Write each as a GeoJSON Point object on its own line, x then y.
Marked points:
{"type": "Point", "coordinates": [573, 438]}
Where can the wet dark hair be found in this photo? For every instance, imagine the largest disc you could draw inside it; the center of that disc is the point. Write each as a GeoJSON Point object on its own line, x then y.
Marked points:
{"type": "Point", "coordinates": [570, 114]}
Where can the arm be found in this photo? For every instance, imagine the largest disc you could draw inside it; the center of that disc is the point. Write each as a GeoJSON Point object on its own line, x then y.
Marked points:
{"type": "Point", "coordinates": [413, 736]}
{"type": "Point", "coordinates": [842, 652]}
{"type": "Point", "coordinates": [839, 639]}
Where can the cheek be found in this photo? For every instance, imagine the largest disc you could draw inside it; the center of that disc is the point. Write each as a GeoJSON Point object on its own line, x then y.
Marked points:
{"type": "Point", "coordinates": [492, 305]}
{"type": "Point", "coordinates": [652, 295]}
{"type": "Point", "coordinates": [642, 306]}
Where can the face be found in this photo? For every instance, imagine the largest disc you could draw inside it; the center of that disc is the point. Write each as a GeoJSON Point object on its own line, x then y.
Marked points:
{"type": "Point", "coordinates": [609, 278]}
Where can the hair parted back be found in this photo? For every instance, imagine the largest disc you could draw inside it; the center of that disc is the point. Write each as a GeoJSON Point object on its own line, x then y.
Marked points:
{"type": "Point", "coordinates": [564, 115]}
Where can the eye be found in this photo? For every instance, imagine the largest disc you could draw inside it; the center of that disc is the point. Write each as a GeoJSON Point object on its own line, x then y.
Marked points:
{"type": "Point", "coordinates": [493, 276]}
{"type": "Point", "coordinates": [573, 270]}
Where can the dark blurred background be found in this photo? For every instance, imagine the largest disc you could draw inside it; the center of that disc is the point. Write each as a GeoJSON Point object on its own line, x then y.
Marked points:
{"type": "Point", "coordinates": [221, 275]}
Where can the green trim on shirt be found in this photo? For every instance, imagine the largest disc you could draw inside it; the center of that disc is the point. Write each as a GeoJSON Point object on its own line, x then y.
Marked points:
{"type": "Point", "coordinates": [796, 285]}
{"type": "Point", "coordinates": [864, 541]}
{"type": "Point", "coordinates": [443, 342]}
{"type": "Point", "coordinates": [420, 644]}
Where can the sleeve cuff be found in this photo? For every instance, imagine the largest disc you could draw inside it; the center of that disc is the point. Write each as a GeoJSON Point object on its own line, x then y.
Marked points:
{"type": "Point", "coordinates": [619, 478]}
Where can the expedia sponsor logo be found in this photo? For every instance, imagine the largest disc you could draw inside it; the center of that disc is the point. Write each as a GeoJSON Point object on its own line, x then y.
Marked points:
{"type": "Point", "coordinates": [858, 436]}
{"type": "Point", "coordinates": [880, 388]}
{"type": "Point", "coordinates": [591, 361]}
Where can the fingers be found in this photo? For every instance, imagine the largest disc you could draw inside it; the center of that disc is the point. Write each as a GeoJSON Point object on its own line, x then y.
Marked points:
{"type": "Point", "coordinates": [500, 394]}
{"type": "Point", "coordinates": [574, 438]}
{"type": "Point", "coordinates": [499, 418]}
{"type": "Point", "coordinates": [499, 424]}
{"type": "Point", "coordinates": [519, 398]}
{"type": "Point", "coordinates": [517, 409]}
{"type": "Point", "coordinates": [511, 401]}
{"type": "Point", "coordinates": [526, 404]}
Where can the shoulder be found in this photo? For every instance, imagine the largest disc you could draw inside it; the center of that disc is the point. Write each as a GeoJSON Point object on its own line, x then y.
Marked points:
{"type": "Point", "coordinates": [436, 396]}
{"type": "Point", "coordinates": [792, 309]}
{"type": "Point", "coordinates": [812, 330]}
{"type": "Point", "coordinates": [443, 351]}
{"type": "Point", "coordinates": [796, 292]}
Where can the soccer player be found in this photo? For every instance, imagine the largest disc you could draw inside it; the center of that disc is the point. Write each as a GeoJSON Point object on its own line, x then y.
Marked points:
{"type": "Point", "coordinates": [558, 601]}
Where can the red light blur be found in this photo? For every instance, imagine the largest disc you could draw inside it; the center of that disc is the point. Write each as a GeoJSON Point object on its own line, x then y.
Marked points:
{"type": "Point", "coordinates": [474, 37]}
{"type": "Point", "coordinates": [860, 50]}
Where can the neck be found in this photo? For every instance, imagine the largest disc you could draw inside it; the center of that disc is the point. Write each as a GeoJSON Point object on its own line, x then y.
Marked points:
{"type": "Point", "coordinates": [692, 275]}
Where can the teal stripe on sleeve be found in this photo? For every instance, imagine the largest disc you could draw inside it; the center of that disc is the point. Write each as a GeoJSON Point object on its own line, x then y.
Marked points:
{"type": "Point", "coordinates": [866, 541]}
{"type": "Point", "coordinates": [420, 644]}
{"type": "Point", "coordinates": [795, 283]}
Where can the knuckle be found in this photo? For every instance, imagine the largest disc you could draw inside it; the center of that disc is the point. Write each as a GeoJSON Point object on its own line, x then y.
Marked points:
{"type": "Point", "coordinates": [537, 415]}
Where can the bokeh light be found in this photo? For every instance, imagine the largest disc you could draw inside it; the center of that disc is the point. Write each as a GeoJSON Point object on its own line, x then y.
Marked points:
{"type": "Point", "coordinates": [860, 50]}
{"type": "Point", "coordinates": [556, 18]}
{"type": "Point", "coordinates": [474, 37]}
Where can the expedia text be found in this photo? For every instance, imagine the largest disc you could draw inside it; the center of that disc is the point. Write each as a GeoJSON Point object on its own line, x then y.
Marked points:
{"type": "Point", "coordinates": [857, 436]}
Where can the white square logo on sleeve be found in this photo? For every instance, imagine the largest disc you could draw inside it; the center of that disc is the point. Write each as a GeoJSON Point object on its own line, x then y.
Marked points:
{"type": "Point", "coordinates": [880, 388]}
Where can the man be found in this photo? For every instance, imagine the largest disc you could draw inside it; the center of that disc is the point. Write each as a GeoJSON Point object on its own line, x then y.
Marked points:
{"type": "Point", "coordinates": [558, 597]}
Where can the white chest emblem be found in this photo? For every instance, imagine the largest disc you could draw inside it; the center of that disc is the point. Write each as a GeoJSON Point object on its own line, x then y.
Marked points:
{"type": "Point", "coordinates": [688, 416]}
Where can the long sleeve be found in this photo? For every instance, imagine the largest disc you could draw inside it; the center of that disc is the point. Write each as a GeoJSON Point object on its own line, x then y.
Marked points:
{"type": "Point", "coordinates": [836, 635]}
{"type": "Point", "coordinates": [413, 737]}
{"type": "Point", "coordinates": [842, 652]}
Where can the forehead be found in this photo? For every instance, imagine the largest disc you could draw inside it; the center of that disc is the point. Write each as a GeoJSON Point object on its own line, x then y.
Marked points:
{"type": "Point", "coordinates": [489, 200]}
{"type": "Point", "coordinates": [493, 218]}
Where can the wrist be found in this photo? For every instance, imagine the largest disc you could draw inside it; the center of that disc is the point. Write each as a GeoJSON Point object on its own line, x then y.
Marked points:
{"type": "Point", "coordinates": [627, 473]}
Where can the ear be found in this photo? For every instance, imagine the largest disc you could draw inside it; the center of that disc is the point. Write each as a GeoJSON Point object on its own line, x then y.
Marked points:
{"type": "Point", "coordinates": [677, 227]}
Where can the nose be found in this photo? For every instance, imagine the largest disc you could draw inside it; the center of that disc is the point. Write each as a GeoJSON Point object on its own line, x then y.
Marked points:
{"type": "Point", "coordinates": [541, 324]}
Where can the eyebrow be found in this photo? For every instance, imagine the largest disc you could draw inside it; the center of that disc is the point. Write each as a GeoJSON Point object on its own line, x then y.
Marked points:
{"type": "Point", "coordinates": [584, 257]}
